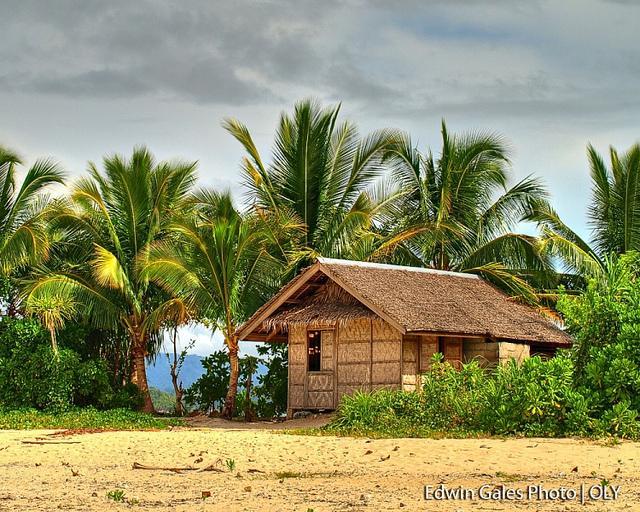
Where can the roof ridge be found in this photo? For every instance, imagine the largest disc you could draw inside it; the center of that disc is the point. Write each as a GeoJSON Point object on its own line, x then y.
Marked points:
{"type": "Point", "coordinates": [389, 266]}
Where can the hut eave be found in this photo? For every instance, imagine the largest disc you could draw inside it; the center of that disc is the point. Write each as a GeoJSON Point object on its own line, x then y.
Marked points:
{"type": "Point", "coordinates": [317, 315]}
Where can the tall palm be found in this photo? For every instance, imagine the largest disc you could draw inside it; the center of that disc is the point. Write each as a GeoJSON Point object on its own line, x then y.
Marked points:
{"type": "Point", "coordinates": [220, 267]}
{"type": "Point", "coordinates": [614, 211]}
{"type": "Point", "coordinates": [24, 238]}
{"type": "Point", "coordinates": [578, 260]}
{"type": "Point", "coordinates": [614, 215]}
{"type": "Point", "coordinates": [457, 212]}
{"type": "Point", "coordinates": [108, 227]}
{"type": "Point", "coordinates": [320, 172]}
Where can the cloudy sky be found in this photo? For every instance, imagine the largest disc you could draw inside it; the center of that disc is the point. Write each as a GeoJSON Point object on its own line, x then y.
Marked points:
{"type": "Point", "coordinates": [81, 78]}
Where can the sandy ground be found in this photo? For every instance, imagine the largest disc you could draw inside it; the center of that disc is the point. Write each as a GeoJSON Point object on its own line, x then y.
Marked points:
{"type": "Point", "coordinates": [280, 472]}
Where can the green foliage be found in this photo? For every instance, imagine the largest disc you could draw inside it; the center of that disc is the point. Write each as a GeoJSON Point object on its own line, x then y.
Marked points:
{"type": "Point", "coordinates": [614, 211]}
{"type": "Point", "coordinates": [105, 231]}
{"type": "Point", "coordinates": [271, 392]}
{"type": "Point", "coordinates": [31, 375]}
{"type": "Point", "coordinates": [24, 234]}
{"type": "Point", "coordinates": [605, 321]}
{"type": "Point", "coordinates": [208, 392]}
{"type": "Point", "coordinates": [116, 495]}
{"type": "Point", "coordinates": [163, 401]}
{"type": "Point", "coordinates": [536, 398]}
{"type": "Point", "coordinates": [85, 418]}
{"type": "Point", "coordinates": [319, 178]}
{"type": "Point", "coordinates": [456, 212]}
{"type": "Point", "coordinates": [269, 397]}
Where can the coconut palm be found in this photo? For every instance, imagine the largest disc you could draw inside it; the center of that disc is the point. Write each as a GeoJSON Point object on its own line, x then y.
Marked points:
{"type": "Point", "coordinates": [614, 215]}
{"type": "Point", "coordinates": [614, 211]}
{"type": "Point", "coordinates": [577, 258]}
{"type": "Point", "coordinates": [107, 229]}
{"type": "Point", "coordinates": [457, 212]}
{"type": "Point", "coordinates": [221, 267]}
{"type": "Point", "coordinates": [24, 237]}
{"type": "Point", "coordinates": [320, 173]}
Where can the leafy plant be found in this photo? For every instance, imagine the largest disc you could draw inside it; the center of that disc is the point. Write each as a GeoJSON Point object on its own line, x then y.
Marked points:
{"type": "Point", "coordinates": [85, 418]}
{"type": "Point", "coordinates": [458, 212]}
{"type": "Point", "coordinates": [535, 398]}
{"type": "Point", "coordinates": [116, 495]}
{"type": "Point", "coordinates": [219, 264]}
{"type": "Point", "coordinates": [105, 233]}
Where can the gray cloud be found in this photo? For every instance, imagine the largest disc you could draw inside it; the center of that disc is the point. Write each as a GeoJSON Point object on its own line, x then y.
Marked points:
{"type": "Point", "coordinates": [178, 67]}
{"type": "Point", "coordinates": [82, 78]}
{"type": "Point", "coordinates": [193, 50]}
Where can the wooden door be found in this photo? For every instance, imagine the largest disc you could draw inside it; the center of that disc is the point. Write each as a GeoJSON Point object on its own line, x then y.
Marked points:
{"type": "Point", "coordinates": [452, 351]}
{"type": "Point", "coordinates": [320, 384]}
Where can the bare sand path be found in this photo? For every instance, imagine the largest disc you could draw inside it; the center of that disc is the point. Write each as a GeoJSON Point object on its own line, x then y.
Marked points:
{"type": "Point", "coordinates": [280, 472]}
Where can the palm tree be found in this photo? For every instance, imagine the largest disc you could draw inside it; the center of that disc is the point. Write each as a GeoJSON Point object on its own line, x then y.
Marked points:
{"type": "Point", "coordinates": [24, 239]}
{"type": "Point", "coordinates": [320, 174]}
{"type": "Point", "coordinates": [614, 215]}
{"type": "Point", "coordinates": [577, 258]}
{"type": "Point", "coordinates": [107, 229]}
{"type": "Point", "coordinates": [221, 267]}
{"type": "Point", "coordinates": [52, 311]}
{"type": "Point", "coordinates": [614, 211]}
{"type": "Point", "coordinates": [457, 212]}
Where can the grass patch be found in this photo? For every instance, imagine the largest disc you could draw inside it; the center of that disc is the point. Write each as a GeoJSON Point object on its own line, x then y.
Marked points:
{"type": "Point", "coordinates": [388, 432]}
{"type": "Point", "coordinates": [88, 418]}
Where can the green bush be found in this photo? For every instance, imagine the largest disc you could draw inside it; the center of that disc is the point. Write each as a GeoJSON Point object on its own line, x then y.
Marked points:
{"type": "Point", "coordinates": [605, 321]}
{"type": "Point", "coordinates": [535, 398]}
{"type": "Point", "coordinates": [268, 394]}
{"type": "Point", "coordinates": [208, 392]}
{"type": "Point", "coordinates": [31, 376]}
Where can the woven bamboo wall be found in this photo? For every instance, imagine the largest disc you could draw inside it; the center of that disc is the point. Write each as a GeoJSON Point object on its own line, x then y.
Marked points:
{"type": "Point", "coordinates": [368, 356]}
{"type": "Point", "coordinates": [297, 365]}
{"type": "Point", "coordinates": [486, 353]}
{"type": "Point", "coordinates": [410, 348]}
{"type": "Point", "coordinates": [428, 347]}
{"type": "Point", "coordinates": [517, 351]}
{"type": "Point", "coordinates": [354, 356]}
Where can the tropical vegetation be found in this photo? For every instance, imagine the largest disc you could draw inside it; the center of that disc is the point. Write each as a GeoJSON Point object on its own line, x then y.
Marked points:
{"type": "Point", "coordinates": [96, 272]}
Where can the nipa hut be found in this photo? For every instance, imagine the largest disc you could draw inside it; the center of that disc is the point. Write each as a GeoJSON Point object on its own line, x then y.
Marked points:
{"type": "Point", "coordinates": [366, 326]}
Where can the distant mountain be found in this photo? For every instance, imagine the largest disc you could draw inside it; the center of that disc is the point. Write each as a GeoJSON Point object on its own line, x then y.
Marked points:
{"type": "Point", "coordinates": [159, 377]}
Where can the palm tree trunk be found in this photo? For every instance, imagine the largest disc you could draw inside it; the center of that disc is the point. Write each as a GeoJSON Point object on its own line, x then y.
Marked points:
{"type": "Point", "coordinates": [139, 372]}
{"type": "Point", "coordinates": [54, 343]}
{"type": "Point", "coordinates": [230, 401]}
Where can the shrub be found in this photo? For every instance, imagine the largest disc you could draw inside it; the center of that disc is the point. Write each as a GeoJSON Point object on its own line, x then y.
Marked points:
{"type": "Point", "coordinates": [535, 398]}
{"type": "Point", "coordinates": [269, 396]}
{"type": "Point", "coordinates": [31, 376]}
{"type": "Point", "coordinates": [208, 392]}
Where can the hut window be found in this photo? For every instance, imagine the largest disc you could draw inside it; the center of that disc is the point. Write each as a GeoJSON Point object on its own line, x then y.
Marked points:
{"type": "Point", "coordinates": [313, 351]}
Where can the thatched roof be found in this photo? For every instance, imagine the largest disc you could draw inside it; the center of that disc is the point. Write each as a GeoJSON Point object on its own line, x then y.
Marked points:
{"type": "Point", "coordinates": [413, 300]}
{"type": "Point", "coordinates": [331, 304]}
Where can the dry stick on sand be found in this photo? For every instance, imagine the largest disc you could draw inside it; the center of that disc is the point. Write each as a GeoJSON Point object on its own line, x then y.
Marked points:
{"type": "Point", "coordinates": [50, 442]}
{"type": "Point", "coordinates": [210, 467]}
